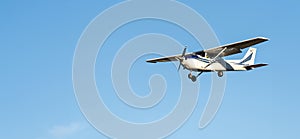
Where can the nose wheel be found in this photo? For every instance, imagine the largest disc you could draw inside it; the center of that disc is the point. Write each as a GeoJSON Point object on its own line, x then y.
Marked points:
{"type": "Point", "coordinates": [192, 77]}
{"type": "Point", "coordinates": [220, 73]}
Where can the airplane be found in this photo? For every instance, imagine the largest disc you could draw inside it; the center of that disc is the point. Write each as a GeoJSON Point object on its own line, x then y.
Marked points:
{"type": "Point", "coordinates": [211, 60]}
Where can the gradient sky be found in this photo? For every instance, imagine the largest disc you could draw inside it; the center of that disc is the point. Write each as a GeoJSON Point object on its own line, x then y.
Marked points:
{"type": "Point", "coordinates": [38, 40]}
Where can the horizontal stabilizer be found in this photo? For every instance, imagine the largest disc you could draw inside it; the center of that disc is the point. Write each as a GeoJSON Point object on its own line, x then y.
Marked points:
{"type": "Point", "coordinates": [250, 67]}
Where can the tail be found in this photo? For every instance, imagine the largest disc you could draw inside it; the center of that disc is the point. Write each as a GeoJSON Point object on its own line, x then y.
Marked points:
{"type": "Point", "coordinates": [249, 57]}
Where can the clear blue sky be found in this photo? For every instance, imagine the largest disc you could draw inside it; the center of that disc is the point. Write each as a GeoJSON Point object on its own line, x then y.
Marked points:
{"type": "Point", "coordinates": [37, 44]}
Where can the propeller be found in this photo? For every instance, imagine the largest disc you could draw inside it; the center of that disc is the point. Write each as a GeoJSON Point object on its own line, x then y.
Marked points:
{"type": "Point", "coordinates": [181, 58]}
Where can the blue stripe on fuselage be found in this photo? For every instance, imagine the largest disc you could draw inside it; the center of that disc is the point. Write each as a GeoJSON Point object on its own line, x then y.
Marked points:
{"type": "Point", "coordinates": [197, 58]}
{"type": "Point", "coordinates": [203, 60]}
{"type": "Point", "coordinates": [192, 56]}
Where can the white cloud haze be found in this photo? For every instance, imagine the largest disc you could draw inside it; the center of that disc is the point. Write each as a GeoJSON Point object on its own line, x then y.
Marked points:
{"type": "Point", "coordinates": [61, 131]}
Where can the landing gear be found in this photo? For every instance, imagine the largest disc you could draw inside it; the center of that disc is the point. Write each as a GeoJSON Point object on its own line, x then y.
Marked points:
{"type": "Point", "coordinates": [220, 73]}
{"type": "Point", "coordinates": [192, 77]}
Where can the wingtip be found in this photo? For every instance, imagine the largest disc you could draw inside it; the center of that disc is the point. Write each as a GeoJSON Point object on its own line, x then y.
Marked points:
{"type": "Point", "coordinates": [149, 61]}
{"type": "Point", "coordinates": [264, 38]}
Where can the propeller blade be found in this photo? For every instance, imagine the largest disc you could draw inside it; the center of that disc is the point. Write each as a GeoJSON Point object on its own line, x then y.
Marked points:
{"type": "Point", "coordinates": [182, 58]}
{"type": "Point", "coordinates": [184, 51]}
{"type": "Point", "coordinates": [179, 67]}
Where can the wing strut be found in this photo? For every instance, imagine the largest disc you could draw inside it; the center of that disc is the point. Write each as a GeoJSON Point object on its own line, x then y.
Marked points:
{"type": "Point", "coordinates": [215, 58]}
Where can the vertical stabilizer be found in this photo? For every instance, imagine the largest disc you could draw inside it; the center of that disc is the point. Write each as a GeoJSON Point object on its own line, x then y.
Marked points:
{"type": "Point", "coordinates": [249, 57]}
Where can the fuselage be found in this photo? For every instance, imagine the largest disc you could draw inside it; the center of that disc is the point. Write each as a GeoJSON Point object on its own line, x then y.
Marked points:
{"type": "Point", "coordinates": [198, 63]}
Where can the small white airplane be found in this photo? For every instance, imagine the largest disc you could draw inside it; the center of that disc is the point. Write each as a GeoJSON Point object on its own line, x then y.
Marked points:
{"type": "Point", "coordinates": [211, 60]}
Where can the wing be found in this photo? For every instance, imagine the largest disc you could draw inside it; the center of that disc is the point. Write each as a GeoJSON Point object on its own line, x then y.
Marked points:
{"type": "Point", "coordinates": [163, 59]}
{"type": "Point", "coordinates": [169, 58]}
{"type": "Point", "coordinates": [233, 48]}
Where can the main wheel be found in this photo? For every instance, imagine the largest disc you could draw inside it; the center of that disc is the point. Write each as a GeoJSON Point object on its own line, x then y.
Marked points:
{"type": "Point", "coordinates": [194, 78]}
{"type": "Point", "coordinates": [190, 76]}
{"type": "Point", "coordinates": [220, 73]}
